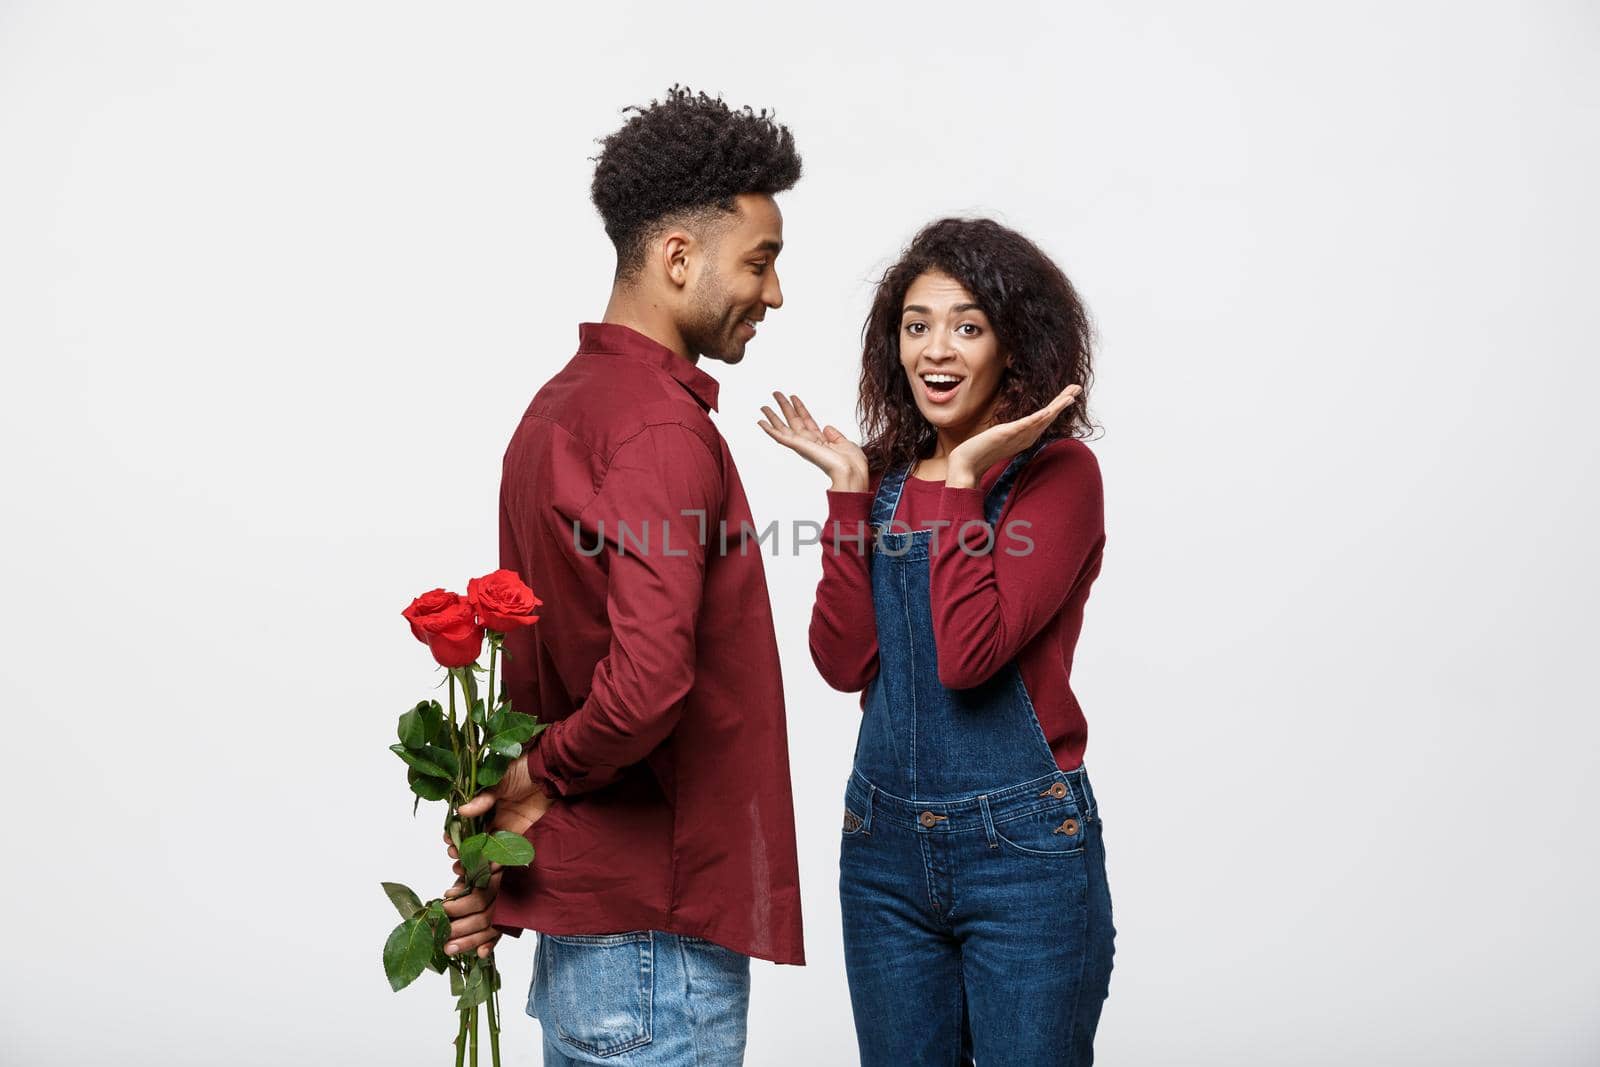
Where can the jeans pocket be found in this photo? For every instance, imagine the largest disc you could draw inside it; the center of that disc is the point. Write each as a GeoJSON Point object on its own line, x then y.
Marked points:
{"type": "Point", "coordinates": [1055, 831]}
{"type": "Point", "coordinates": [601, 990]}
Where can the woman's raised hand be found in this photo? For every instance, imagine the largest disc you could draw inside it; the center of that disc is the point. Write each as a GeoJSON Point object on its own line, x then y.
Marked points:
{"type": "Point", "coordinates": [840, 458]}
{"type": "Point", "coordinates": [984, 449]}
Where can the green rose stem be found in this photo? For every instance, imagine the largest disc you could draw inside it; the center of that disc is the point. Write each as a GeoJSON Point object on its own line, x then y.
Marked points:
{"type": "Point", "coordinates": [494, 1011]}
{"type": "Point", "coordinates": [467, 1034]}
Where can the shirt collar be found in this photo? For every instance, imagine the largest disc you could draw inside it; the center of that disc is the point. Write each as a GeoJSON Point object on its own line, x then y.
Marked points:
{"type": "Point", "coordinates": [616, 339]}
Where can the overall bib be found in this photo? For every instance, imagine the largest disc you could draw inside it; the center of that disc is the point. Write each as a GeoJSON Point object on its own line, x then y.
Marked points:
{"type": "Point", "coordinates": [977, 919]}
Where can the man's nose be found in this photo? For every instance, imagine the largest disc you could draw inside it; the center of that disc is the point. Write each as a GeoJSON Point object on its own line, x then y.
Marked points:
{"type": "Point", "coordinates": [772, 293]}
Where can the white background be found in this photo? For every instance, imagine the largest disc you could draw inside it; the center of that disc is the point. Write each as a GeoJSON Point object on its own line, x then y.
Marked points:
{"type": "Point", "coordinates": [276, 281]}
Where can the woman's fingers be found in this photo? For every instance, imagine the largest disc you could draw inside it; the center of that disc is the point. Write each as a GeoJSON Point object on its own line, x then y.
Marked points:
{"type": "Point", "coordinates": [787, 408]}
{"type": "Point", "coordinates": [1062, 399]}
{"type": "Point", "coordinates": [772, 417]}
{"type": "Point", "coordinates": [805, 415]}
{"type": "Point", "coordinates": [1047, 414]}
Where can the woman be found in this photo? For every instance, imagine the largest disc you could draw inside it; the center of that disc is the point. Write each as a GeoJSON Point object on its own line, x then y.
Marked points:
{"type": "Point", "coordinates": [961, 544]}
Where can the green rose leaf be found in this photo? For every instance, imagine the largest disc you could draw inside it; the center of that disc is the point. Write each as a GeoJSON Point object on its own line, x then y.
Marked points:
{"type": "Point", "coordinates": [474, 995]}
{"type": "Point", "coordinates": [431, 760]}
{"type": "Point", "coordinates": [479, 714]}
{"type": "Point", "coordinates": [426, 788]}
{"type": "Point", "coordinates": [508, 849]}
{"type": "Point", "coordinates": [473, 861]}
{"type": "Point", "coordinates": [406, 953]}
{"type": "Point", "coordinates": [491, 772]}
{"type": "Point", "coordinates": [440, 922]}
{"type": "Point", "coordinates": [458, 983]}
{"type": "Point", "coordinates": [515, 726]}
{"type": "Point", "coordinates": [404, 900]}
{"type": "Point", "coordinates": [420, 725]}
{"type": "Point", "coordinates": [502, 746]}
{"type": "Point", "coordinates": [477, 988]}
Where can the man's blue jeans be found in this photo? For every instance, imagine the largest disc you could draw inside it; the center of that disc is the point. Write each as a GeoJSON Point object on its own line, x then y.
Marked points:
{"type": "Point", "coordinates": [640, 999]}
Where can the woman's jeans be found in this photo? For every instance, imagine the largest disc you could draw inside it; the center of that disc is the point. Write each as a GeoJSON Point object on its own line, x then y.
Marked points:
{"type": "Point", "coordinates": [981, 925]}
{"type": "Point", "coordinates": [641, 999]}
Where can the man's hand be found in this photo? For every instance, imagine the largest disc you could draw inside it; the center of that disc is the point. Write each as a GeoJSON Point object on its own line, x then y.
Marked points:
{"type": "Point", "coordinates": [517, 803]}
{"type": "Point", "coordinates": [469, 916]}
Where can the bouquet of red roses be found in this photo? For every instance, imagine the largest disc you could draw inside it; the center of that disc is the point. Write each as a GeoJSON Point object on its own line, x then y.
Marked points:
{"type": "Point", "coordinates": [451, 758]}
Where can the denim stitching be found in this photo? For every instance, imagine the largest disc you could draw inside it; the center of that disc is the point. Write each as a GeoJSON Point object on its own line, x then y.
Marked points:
{"type": "Point", "coordinates": [961, 991]}
{"type": "Point", "coordinates": [927, 875]}
{"type": "Point", "coordinates": [688, 1001]}
{"type": "Point", "coordinates": [911, 646]}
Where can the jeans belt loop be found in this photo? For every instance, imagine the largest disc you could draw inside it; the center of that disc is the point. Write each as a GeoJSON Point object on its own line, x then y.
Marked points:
{"type": "Point", "coordinates": [988, 822]}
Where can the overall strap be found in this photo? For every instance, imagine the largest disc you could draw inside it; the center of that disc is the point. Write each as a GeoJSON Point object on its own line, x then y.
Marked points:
{"type": "Point", "coordinates": [995, 502]}
{"type": "Point", "coordinates": [888, 498]}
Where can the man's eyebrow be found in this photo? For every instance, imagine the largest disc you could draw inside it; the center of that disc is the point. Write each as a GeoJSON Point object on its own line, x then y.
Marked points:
{"type": "Point", "coordinates": [769, 245]}
{"type": "Point", "coordinates": [955, 309]}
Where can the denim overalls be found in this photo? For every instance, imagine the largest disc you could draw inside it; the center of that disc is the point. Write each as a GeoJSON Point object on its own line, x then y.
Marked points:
{"type": "Point", "coordinates": [977, 920]}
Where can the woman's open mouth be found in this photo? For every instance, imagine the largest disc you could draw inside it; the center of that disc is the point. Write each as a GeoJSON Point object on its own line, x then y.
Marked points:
{"type": "Point", "coordinates": [941, 388]}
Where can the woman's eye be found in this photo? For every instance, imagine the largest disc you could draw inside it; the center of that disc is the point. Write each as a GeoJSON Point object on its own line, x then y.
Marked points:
{"type": "Point", "coordinates": [976, 329]}
{"type": "Point", "coordinates": [914, 327]}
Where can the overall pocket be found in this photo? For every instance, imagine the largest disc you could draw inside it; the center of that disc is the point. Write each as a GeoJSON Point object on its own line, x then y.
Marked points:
{"type": "Point", "coordinates": [1054, 832]}
{"type": "Point", "coordinates": [601, 990]}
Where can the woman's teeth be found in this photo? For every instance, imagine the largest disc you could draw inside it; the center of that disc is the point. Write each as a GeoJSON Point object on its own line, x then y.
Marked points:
{"type": "Point", "coordinates": [940, 386]}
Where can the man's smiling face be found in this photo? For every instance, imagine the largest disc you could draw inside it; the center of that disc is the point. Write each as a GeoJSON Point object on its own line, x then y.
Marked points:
{"type": "Point", "coordinates": [736, 280]}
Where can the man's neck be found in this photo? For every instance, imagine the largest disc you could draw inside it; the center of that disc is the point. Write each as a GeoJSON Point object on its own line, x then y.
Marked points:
{"type": "Point", "coordinates": [630, 308]}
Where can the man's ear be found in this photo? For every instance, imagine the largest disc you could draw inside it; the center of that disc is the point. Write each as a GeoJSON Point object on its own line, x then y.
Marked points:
{"type": "Point", "coordinates": [675, 246]}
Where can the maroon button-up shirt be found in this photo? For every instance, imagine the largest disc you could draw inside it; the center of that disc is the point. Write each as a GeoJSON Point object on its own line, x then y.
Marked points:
{"type": "Point", "coordinates": [654, 660]}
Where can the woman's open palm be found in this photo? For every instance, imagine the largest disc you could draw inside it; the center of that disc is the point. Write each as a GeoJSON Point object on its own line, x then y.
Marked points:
{"type": "Point", "coordinates": [984, 449]}
{"type": "Point", "coordinates": [840, 458]}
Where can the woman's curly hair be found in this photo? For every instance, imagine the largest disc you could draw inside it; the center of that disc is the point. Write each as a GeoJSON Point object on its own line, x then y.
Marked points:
{"type": "Point", "coordinates": [1037, 319]}
{"type": "Point", "coordinates": [689, 153]}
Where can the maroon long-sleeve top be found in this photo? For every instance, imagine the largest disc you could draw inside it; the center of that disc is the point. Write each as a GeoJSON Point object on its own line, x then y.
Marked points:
{"type": "Point", "coordinates": [1022, 599]}
{"type": "Point", "coordinates": [654, 660]}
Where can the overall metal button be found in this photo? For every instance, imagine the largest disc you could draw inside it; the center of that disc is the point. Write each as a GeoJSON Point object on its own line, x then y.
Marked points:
{"type": "Point", "coordinates": [928, 819]}
{"type": "Point", "coordinates": [1057, 790]}
{"type": "Point", "coordinates": [1069, 827]}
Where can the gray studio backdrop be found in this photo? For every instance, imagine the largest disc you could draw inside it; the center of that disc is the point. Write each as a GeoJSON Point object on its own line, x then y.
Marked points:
{"type": "Point", "coordinates": [276, 281]}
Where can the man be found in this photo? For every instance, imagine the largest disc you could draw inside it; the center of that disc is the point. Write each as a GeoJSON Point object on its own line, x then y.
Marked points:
{"type": "Point", "coordinates": [658, 799]}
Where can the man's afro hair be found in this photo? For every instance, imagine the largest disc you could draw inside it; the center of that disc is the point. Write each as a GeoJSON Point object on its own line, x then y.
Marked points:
{"type": "Point", "coordinates": [689, 153]}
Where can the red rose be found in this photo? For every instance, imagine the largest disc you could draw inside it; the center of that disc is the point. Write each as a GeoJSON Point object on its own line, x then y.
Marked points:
{"type": "Point", "coordinates": [453, 635]}
{"type": "Point", "coordinates": [429, 603]}
{"type": "Point", "coordinates": [503, 601]}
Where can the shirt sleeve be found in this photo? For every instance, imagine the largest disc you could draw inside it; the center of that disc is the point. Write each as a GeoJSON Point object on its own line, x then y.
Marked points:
{"type": "Point", "coordinates": [990, 602]}
{"type": "Point", "coordinates": [844, 631]}
{"type": "Point", "coordinates": [662, 490]}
